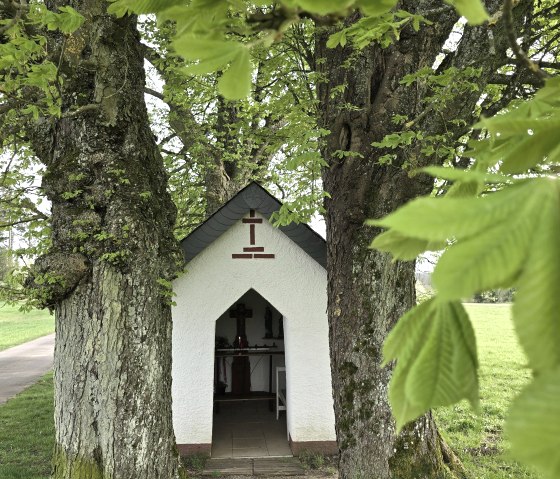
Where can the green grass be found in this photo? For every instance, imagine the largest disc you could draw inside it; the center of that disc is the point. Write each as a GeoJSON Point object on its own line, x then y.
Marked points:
{"type": "Point", "coordinates": [26, 423]}
{"type": "Point", "coordinates": [478, 438]}
{"type": "Point", "coordinates": [17, 327]}
{"type": "Point", "coordinates": [27, 433]}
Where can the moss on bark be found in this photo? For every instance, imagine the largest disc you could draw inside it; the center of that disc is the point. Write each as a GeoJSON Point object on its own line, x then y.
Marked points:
{"type": "Point", "coordinates": [411, 460]}
{"type": "Point", "coordinates": [76, 467]}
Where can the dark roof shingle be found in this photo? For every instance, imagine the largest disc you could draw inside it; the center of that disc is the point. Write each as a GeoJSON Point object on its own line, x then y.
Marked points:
{"type": "Point", "coordinates": [252, 197]}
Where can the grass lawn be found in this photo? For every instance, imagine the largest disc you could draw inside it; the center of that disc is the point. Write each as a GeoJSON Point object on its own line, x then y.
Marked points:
{"type": "Point", "coordinates": [17, 327]}
{"type": "Point", "coordinates": [26, 423]}
{"type": "Point", "coordinates": [27, 433]}
{"type": "Point", "coordinates": [478, 438]}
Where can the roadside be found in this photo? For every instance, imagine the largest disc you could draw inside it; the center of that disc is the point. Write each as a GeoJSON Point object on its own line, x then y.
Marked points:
{"type": "Point", "coordinates": [23, 365]}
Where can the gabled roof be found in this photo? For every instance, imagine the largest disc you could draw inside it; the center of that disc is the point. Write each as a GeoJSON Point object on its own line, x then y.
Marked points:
{"type": "Point", "coordinates": [252, 197]}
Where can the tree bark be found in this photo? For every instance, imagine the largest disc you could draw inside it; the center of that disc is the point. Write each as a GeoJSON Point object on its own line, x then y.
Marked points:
{"type": "Point", "coordinates": [224, 179]}
{"type": "Point", "coordinates": [367, 291]}
{"type": "Point", "coordinates": [112, 253]}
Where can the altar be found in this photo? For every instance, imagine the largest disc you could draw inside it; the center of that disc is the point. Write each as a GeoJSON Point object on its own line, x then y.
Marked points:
{"type": "Point", "coordinates": [245, 395]}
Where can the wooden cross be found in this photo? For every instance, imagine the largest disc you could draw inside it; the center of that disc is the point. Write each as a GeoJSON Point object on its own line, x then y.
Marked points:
{"type": "Point", "coordinates": [241, 314]}
{"type": "Point", "coordinates": [250, 252]}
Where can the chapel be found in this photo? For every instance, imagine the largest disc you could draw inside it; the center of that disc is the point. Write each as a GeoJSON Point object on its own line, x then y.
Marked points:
{"type": "Point", "coordinates": [251, 368]}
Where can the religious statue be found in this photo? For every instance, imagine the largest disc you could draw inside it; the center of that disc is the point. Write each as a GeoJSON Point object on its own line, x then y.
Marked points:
{"type": "Point", "coordinates": [281, 328]}
{"type": "Point", "coordinates": [268, 323]}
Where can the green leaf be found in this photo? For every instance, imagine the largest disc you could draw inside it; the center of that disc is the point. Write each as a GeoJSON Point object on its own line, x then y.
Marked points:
{"type": "Point", "coordinates": [438, 219]}
{"type": "Point", "coordinates": [410, 329]}
{"type": "Point", "coordinates": [472, 10]}
{"type": "Point", "coordinates": [401, 247]}
{"type": "Point", "coordinates": [435, 348]}
{"type": "Point", "coordinates": [235, 83]}
{"type": "Point", "coordinates": [536, 309]}
{"type": "Point", "coordinates": [338, 38]}
{"type": "Point", "coordinates": [487, 152]}
{"type": "Point", "coordinates": [493, 258]}
{"type": "Point", "coordinates": [192, 47]}
{"type": "Point", "coordinates": [445, 371]}
{"type": "Point", "coordinates": [529, 152]}
{"type": "Point", "coordinates": [375, 8]}
{"type": "Point", "coordinates": [457, 174]}
{"type": "Point", "coordinates": [123, 7]}
{"type": "Point", "coordinates": [524, 136]}
{"type": "Point", "coordinates": [118, 8]}
{"type": "Point", "coordinates": [211, 64]}
{"type": "Point", "coordinates": [465, 188]}
{"type": "Point", "coordinates": [512, 124]}
{"type": "Point", "coordinates": [69, 20]}
{"type": "Point", "coordinates": [324, 7]}
{"type": "Point", "coordinates": [533, 425]}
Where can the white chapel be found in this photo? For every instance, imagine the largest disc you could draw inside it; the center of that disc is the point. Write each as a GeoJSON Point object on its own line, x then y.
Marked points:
{"type": "Point", "coordinates": [250, 333]}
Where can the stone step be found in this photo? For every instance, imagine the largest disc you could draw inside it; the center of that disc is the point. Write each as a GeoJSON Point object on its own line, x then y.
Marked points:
{"type": "Point", "coordinates": [270, 466]}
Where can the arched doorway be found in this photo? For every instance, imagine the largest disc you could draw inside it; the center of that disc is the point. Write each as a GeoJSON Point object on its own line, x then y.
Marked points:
{"type": "Point", "coordinates": [249, 381]}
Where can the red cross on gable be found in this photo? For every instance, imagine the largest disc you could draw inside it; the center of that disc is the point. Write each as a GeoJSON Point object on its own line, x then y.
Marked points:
{"type": "Point", "coordinates": [252, 252]}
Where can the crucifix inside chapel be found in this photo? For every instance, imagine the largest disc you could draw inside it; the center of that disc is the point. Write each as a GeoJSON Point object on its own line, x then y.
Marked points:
{"type": "Point", "coordinates": [241, 367]}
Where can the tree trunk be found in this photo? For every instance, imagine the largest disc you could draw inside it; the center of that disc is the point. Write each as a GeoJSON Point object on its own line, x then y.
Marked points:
{"type": "Point", "coordinates": [226, 177]}
{"type": "Point", "coordinates": [112, 253]}
{"type": "Point", "coordinates": [367, 291]}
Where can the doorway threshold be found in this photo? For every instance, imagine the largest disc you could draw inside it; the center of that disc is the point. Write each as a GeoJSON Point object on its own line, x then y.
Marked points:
{"type": "Point", "coordinates": [261, 466]}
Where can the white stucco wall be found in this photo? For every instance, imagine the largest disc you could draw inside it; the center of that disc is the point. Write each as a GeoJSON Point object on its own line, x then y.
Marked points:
{"type": "Point", "coordinates": [296, 286]}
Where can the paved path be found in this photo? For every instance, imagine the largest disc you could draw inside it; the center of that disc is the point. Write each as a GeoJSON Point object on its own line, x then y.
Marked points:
{"type": "Point", "coordinates": [22, 365]}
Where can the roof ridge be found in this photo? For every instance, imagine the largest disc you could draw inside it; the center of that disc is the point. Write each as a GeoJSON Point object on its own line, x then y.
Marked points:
{"type": "Point", "coordinates": [256, 197]}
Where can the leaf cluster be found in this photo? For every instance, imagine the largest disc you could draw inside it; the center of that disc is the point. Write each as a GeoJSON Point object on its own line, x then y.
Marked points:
{"type": "Point", "coordinates": [28, 79]}
{"type": "Point", "coordinates": [219, 35]}
{"type": "Point", "coordinates": [501, 232]}
{"type": "Point", "coordinates": [383, 29]}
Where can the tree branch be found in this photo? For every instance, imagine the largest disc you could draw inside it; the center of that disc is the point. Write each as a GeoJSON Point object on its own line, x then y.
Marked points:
{"type": "Point", "coordinates": [154, 93]}
{"type": "Point", "coordinates": [80, 110]}
{"type": "Point", "coordinates": [517, 50]}
{"type": "Point", "coordinates": [9, 224]}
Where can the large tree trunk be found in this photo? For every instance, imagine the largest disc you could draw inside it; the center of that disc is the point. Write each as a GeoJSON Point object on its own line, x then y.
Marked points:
{"type": "Point", "coordinates": [112, 251]}
{"type": "Point", "coordinates": [367, 291]}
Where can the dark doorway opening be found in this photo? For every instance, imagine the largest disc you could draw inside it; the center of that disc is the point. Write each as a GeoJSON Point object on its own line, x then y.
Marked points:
{"type": "Point", "coordinates": [249, 420]}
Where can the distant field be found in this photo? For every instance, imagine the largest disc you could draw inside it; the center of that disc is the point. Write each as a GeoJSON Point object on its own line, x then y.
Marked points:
{"type": "Point", "coordinates": [478, 438]}
{"type": "Point", "coordinates": [17, 327]}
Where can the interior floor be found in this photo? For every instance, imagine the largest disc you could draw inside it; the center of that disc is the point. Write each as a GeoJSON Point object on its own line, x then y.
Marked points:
{"type": "Point", "coordinates": [249, 429]}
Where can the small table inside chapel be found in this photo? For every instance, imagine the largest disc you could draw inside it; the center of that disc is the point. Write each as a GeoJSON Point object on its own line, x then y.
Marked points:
{"type": "Point", "coordinates": [247, 352]}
